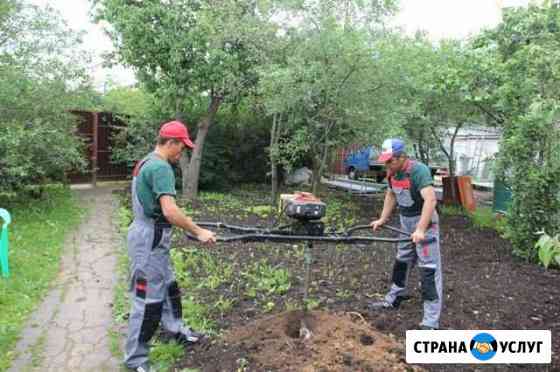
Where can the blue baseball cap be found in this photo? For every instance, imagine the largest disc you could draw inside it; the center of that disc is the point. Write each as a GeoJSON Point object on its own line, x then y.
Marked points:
{"type": "Point", "coordinates": [391, 147]}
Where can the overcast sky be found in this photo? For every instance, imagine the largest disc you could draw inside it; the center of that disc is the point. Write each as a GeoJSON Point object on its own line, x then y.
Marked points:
{"type": "Point", "coordinates": [440, 18]}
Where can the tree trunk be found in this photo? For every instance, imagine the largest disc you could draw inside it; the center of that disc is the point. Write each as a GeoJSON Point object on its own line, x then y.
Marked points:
{"type": "Point", "coordinates": [184, 165]}
{"type": "Point", "coordinates": [425, 154]}
{"type": "Point", "coordinates": [323, 163]}
{"type": "Point", "coordinates": [204, 124]}
{"type": "Point", "coordinates": [451, 153]}
{"type": "Point", "coordinates": [424, 148]}
{"type": "Point", "coordinates": [316, 174]}
{"type": "Point", "coordinates": [451, 156]}
{"type": "Point", "coordinates": [184, 161]}
{"type": "Point", "coordinates": [450, 187]}
{"type": "Point", "coordinates": [274, 165]}
{"type": "Point", "coordinates": [416, 150]}
{"type": "Point", "coordinates": [318, 169]}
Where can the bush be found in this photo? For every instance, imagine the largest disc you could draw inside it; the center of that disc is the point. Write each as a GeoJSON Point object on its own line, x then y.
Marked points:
{"type": "Point", "coordinates": [37, 152]}
{"type": "Point", "coordinates": [530, 159]}
{"type": "Point", "coordinates": [42, 78]}
{"type": "Point", "coordinates": [524, 94]}
{"type": "Point", "coordinates": [235, 152]}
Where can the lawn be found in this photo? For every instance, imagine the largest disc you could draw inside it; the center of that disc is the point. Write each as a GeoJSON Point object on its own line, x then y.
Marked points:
{"type": "Point", "coordinates": [37, 233]}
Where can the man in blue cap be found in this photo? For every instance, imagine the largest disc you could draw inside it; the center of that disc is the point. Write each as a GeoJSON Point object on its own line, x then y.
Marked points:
{"type": "Point", "coordinates": [411, 188]}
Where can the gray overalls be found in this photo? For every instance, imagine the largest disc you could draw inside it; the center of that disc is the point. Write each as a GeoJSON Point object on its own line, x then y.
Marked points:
{"type": "Point", "coordinates": [154, 292]}
{"type": "Point", "coordinates": [426, 253]}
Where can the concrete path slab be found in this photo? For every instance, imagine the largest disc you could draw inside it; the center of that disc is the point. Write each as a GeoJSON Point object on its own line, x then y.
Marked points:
{"type": "Point", "coordinates": [69, 330]}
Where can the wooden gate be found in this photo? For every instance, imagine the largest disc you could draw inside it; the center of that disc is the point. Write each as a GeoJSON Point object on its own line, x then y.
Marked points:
{"type": "Point", "coordinates": [97, 130]}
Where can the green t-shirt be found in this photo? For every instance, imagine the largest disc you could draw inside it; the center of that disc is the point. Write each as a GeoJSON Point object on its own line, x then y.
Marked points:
{"type": "Point", "coordinates": [408, 192]}
{"type": "Point", "coordinates": [156, 178]}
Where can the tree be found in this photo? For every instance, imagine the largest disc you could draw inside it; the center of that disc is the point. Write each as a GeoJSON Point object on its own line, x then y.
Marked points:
{"type": "Point", "coordinates": [439, 85]}
{"type": "Point", "coordinates": [42, 78]}
{"type": "Point", "coordinates": [184, 50]}
{"type": "Point", "coordinates": [523, 97]}
{"type": "Point", "coordinates": [130, 101]}
{"type": "Point", "coordinates": [323, 89]}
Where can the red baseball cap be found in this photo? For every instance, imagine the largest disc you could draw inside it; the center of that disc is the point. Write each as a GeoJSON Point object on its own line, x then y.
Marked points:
{"type": "Point", "coordinates": [176, 129]}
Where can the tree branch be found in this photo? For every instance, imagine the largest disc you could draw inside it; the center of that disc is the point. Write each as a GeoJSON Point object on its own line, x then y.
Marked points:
{"type": "Point", "coordinates": [497, 119]}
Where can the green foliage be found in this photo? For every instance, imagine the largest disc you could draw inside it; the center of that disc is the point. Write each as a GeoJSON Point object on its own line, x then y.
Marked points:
{"type": "Point", "coordinates": [37, 234]}
{"type": "Point", "coordinates": [267, 279]}
{"type": "Point", "coordinates": [318, 92]}
{"type": "Point", "coordinates": [42, 79]}
{"type": "Point", "coordinates": [483, 218]}
{"type": "Point", "coordinates": [187, 53]}
{"type": "Point", "coordinates": [197, 315]}
{"type": "Point", "coordinates": [184, 48]}
{"type": "Point", "coordinates": [28, 155]}
{"type": "Point", "coordinates": [312, 304]}
{"type": "Point", "coordinates": [164, 355]}
{"type": "Point", "coordinates": [521, 95]}
{"type": "Point", "coordinates": [224, 305]}
{"type": "Point", "coordinates": [341, 213]}
{"type": "Point", "coordinates": [549, 250]}
{"type": "Point", "coordinates": [530, 159]}
{"type": "Point", "coordinates": [262, 211]}
{"type": "Point", "coordinates": [451, 210]}
{"type": "Point", "coordinates": [132, 102]}
{"type": "Point", "coordinates": [235, 151]}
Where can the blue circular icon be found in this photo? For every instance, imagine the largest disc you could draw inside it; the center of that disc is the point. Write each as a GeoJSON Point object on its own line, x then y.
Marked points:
{"type": "Point", "coordinates": [483, 346]}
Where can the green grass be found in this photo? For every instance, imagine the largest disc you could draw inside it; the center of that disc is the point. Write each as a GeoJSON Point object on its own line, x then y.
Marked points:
{"type": "Point", "coordinates": [37, 351]}
{"type": "Point", "coordinates": [164, 355]}
{"type": "Point", "coordinates": [120, 296]}
{"type": "Point", "coordinates": [483, 218]}
{"type": "Point", "coordinates": [451, 210]}
{"type": "Point", "coordinates": [37, 234]}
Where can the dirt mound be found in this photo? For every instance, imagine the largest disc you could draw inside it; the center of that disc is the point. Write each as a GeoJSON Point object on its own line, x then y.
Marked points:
{"type": "Point", "coordinates": [339, 342]}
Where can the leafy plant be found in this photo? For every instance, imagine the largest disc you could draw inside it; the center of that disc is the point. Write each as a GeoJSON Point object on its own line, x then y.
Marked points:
{"type": "Point", "coordinates": [312, 304]}
{"type": "Point", "coordinates": [269, 306]}
{"type": "Point", "coordinates": [549, 250]}
{"type": "Point", "coordinates": [262, 211]}
{"type": "Point", "coordinates": [223, 305]}
{"type": "Point", "coordinates": [272, 280]}
{"type": "Point", "coordinates": [291, 305]}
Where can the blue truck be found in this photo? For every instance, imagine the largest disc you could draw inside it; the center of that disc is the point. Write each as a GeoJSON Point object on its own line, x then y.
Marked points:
{"type": "Point", "coordinates": [363, 162]}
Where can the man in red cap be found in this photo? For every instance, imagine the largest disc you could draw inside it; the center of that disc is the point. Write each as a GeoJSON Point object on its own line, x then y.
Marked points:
{"type": "Point", "coordinates": [155, 293]}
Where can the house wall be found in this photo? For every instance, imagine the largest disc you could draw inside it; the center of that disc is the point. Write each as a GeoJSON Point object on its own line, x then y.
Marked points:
{"type": "Point", "coordinates": [475, 152]}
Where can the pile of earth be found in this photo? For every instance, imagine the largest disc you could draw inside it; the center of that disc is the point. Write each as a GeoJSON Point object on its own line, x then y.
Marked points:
{"type": "Point", "coordinates": [338, 342]}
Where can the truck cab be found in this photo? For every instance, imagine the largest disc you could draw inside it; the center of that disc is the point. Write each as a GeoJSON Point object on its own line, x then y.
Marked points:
{"type": "Point", "coordinates": [363, 162]}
